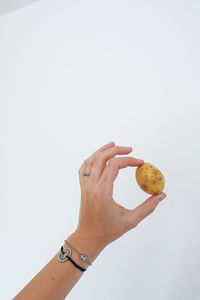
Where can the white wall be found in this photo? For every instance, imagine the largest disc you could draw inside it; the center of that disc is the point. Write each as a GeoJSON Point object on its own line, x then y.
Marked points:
{"type": "Point", "coordinates": [75, 75]}
{"type": "Point", "coordinates": [7, 6]}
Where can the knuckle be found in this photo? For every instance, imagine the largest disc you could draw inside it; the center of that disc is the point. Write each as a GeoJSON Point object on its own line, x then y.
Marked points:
{"type": "Point", "coordinates": [87, 160]}
{"type": "Point", "coordinates": [152, 208]}
{"type": "Point", "coordinates": [136, 222]}
{"type": "Point", "coordinates": [131, 226]}
{"type": "Point", "coordinates": [141, 215]}
{"type": "Point", "coordinates": [117, 148]}
{"type": "Point", "coordinates": [112, 161]}
{"type": "Point", "coordinates": [134, 225]}
{"type": "Point", "coordinates": [98, 155]}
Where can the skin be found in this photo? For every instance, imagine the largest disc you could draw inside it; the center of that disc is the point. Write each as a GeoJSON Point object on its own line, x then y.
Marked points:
{"type": "Point", "coordinates": [101, 221]}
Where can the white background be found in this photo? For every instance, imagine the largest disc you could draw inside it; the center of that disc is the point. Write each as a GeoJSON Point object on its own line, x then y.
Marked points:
{"type": "Point", "coordinates": [75, 75]}
{"type": "Point", "coordinates": [6, 6]}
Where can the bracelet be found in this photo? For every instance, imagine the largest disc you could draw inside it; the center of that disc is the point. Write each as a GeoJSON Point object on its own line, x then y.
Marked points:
{"type": "Point", "coordinates": [81, 256]}
{"type": "Point", "coordinates": [68, 257]}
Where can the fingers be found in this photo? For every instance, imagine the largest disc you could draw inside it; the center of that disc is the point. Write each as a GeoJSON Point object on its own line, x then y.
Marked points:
{"type": "Point", "coordinates": [101, 158]}
{"type": "Point", "coordinates": [133, 216]}
{"type": "Point", "coordinates": [112, 169]}
{"type": "Point", "coordinates": [86, 165]}
{"type": "Point", "coordinates": [111, 144]}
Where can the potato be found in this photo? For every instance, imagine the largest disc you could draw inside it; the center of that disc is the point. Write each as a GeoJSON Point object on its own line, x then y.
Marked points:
{"type": "Point", "coordinates": [150, 179]}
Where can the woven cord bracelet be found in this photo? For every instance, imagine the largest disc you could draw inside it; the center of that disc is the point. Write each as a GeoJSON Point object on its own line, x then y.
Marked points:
{"type": "Point", "coordinates": [79, 267]}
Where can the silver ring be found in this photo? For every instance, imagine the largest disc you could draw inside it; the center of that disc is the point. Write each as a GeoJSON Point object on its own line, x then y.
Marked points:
{"type": "Point", "coordinates": [85, 174]}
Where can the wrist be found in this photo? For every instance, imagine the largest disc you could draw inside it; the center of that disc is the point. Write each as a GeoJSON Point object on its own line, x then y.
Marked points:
{"type": "Point", "coordinates": [84, 245]}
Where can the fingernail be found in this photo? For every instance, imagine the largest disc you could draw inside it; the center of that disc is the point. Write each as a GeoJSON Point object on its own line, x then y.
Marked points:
{"type": "Point", "coordinates": [140, 160]}
{"type": "Point", "coordinates": [162, 196]}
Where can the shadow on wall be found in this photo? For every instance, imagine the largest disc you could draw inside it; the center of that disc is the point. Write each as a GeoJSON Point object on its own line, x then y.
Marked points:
{"type": "Point", "coordinates": [7, 6]}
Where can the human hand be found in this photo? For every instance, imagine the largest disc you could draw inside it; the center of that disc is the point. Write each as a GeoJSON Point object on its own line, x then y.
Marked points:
{"type": "Point", "coordinates": [100, 217]}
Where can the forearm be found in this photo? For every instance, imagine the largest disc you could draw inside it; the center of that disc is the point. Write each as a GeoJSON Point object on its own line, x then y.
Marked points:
{"type": "Point", "coordinates": [56, 279]}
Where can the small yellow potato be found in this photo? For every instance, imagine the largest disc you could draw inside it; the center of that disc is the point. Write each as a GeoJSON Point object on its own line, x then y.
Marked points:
{"type": "Point", "coordinates": [150, 179]}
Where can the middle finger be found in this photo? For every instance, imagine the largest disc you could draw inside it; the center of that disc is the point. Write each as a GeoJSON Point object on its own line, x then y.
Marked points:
{"type": "Point", "coordinates": [101, 159]}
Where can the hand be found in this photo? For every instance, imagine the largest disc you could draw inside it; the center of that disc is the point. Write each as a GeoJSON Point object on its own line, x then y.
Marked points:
{"type": "Point", "coordinates": [100, 217]}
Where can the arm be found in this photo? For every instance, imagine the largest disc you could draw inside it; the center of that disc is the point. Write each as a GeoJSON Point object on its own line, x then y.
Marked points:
{"type": "Point", "coordinates": [56, 279]}
{"type": "Point", "coordinates": [101, 221]}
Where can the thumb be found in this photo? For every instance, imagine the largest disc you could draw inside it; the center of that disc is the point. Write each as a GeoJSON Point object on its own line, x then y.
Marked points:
{"type": "Point", "coordinates": [134, 216]}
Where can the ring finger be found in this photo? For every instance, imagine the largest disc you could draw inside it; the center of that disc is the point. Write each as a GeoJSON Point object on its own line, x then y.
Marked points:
{"type": "Point", "coordinates": [101, 159]}
{"type": "Point", "coordinates": [87, 164]}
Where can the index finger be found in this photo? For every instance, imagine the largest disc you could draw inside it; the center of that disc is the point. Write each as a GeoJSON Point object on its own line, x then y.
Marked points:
{"type": "Point", "coordinates": [105, 147]}
{"type": "Point", "coordinates": [112, 169]}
